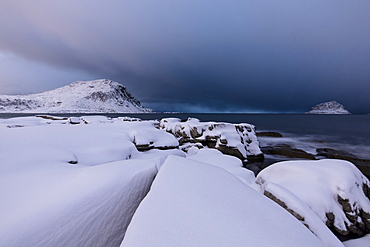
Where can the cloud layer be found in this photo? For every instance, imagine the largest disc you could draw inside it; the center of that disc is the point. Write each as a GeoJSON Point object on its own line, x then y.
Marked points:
{"type": "Point", "coordinates": [282, 56]}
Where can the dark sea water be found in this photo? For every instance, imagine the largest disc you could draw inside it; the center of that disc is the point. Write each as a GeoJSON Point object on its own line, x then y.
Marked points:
{"type": "Point", "coordinates": [308, 132]}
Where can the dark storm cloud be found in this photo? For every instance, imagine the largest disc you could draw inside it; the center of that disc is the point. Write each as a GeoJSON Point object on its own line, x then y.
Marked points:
{"type": "Point", "coordinates": [205, 55]}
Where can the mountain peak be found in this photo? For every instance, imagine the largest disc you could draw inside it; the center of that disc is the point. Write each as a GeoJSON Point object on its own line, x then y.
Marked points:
{"type": "Point", "coordinates": [97, 96]}
{"type": "Point", "coordinates": [330, 107]}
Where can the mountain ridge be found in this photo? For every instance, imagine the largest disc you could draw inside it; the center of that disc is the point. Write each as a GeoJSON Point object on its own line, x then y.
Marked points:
{"type": "Point", "coordinates": [96, 96]}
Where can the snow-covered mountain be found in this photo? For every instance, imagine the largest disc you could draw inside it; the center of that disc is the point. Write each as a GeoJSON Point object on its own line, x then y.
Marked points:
{"type": "Point", "coordinates": [331, 107]}
{"type": "Point", "coordinates": [98, 96]}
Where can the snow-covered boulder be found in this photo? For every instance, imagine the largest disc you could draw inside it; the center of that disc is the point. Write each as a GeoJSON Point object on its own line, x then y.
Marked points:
{"type": "Point", "coordinates": [145, 136]}
{"type": "Point", "coordinates": [331, 107]}
{"type": "Point", "coordinates": [74, 181]}
{"type": "Point", "coordinates": [78, 97]}
{"type": "Point", "coordinates": [239, 140]}
{"type": "Point", "coordinates": [335, 190]}
{"type": "Point", "coordinates": [72, 205]}
{"type": "Point", "coordinates": [192, 203]}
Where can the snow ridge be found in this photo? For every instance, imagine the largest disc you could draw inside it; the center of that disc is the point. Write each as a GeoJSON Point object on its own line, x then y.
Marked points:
{"type": "Point", "coordinates": [97, 96]}
{"type": "Point", "coordinates": [331, 107]}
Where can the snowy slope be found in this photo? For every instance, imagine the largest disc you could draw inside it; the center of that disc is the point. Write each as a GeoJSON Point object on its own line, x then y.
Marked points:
{"type": "Point", "coordinates": [79, 97]}
{"type": "Point", "coordinates": [195, 204]}
{"type": "Point", "coordinates": [331, 107]}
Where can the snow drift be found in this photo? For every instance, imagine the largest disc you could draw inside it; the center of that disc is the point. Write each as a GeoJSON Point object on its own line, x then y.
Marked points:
{"type": "Point", "coordinates": [65, 184]}
{"type": "Point", "coordinates": [196, 204]}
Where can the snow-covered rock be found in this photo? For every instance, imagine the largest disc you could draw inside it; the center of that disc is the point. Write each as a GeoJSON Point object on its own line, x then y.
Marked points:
{"type": "Point", "coordinates": [331, 107]}
{"type": "Point", "coordinates": [98, 96]}
{"type": "Point", "coordinates": [335, 190]}
{"type": "Point", "coordinates": [72, 206]}
{"type": "Point", "coordinates": [74, 184]}
{"type": "Point", "coordinates": [239, 140]}
{"type": "Point", "coordinates": [192, 203]}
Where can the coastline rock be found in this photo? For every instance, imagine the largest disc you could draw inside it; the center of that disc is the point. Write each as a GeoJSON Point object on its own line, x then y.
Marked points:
{"type": "Point", "coordinates": [238, 140]}
{"type": "Point", "coordinates": [269, 134]}
{"type": "Point", "coordinates": [335, 154]}
{"type": "Point", "coordinates": [331, 107]}
{"type": "Point", "coordinates": [287, 151]}
{"type": "Point", "coordinates": [335, 190]}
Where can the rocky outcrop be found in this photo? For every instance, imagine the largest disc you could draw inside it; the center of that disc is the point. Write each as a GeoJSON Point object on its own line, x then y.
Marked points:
{"type": "Point", "coordinates": [287, 151]}
{"type": "Point", "coordinates": [331, 107]}
{"type": "Point", "coordinates": [239, 140]}
{"type": "Point", "coordinates": [339, 195]}
{"type": "Point", "coordinates": [269, 134]}
{"type": "Point", "coordinates": [98, 96]}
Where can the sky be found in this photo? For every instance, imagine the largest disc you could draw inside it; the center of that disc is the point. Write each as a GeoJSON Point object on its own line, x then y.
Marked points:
{"type": "Point", "coordinates": [282, 56]}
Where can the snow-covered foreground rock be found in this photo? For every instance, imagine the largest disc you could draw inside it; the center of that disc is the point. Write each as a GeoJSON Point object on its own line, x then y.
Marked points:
{"type": "Point", "coordinates": [196, 204]}
{"type": "Point", "coordinates": [335, 190]}
{"type": "Point", "coordinates": [65, 184]}
{"type": "Point", "coordinates": [80, 96]}
{"type": "Point", "coordinates": [239, 140]}
{"type": "Point", "coordinates": [79, 206]}
{"type": "Point", "coordinates": [77, 181]}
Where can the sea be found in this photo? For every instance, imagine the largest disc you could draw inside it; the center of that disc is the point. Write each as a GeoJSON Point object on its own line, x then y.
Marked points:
{"type": "Point", "coordinates": [350, 133]}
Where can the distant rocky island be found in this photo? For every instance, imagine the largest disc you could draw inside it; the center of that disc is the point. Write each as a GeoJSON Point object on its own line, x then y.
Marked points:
{"type": "Point", "coordinates": [331, 107]}
{"type": "Point", "coordinates": [97, 96]}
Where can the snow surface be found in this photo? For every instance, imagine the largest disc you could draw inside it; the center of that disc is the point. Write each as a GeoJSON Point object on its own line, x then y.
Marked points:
{"type": "Point", "coordinates": [79, 97]}
{"type": "Point", "coordinates": [331, 107]}
{"type": "Point", "coordinates": [317, 184]}
{"type": "Point", "coordinates": [195, 204]}
{"type": "Point", "coordinates": [64, 184]}
{"type": "Point", "coordinates": [360, 242]}
{"type": "Point", "coordinates": [226, 162]}
{"type": "Point", "coordinates": [72, 206]}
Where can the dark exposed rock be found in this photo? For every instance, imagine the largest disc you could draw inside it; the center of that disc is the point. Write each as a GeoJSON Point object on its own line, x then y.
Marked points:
{"type": "Point", "coordinates": [287, 151]}
{"type": "Point", "coordinates": [256, 158]}
{"type": "Point", "coordinates": [51, 117]}
{"type": "Point", "coordinates": [334, 154]}
{"type": "Point", "coordinates": [143, 147]}
{"type": "Point", "coordinates": [283, 205]}
{"type": "Point", "coordinates": [269, 134]}
{"type": "Point", "coordinates": [15, 126]}
{"type": "Point", "coordinates": [150, 145]}
{"type": "Point", "coordinates": [230, 151]}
